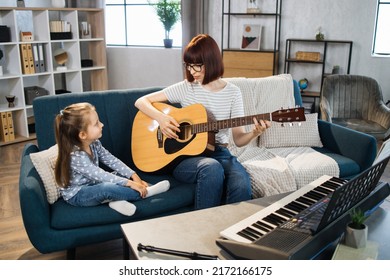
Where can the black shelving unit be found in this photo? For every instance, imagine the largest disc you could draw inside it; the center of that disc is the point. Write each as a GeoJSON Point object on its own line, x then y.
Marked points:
{"type": "Point", "coordinates": [268, 58]}
{"type": "Point", "coordinates": [323, 47]}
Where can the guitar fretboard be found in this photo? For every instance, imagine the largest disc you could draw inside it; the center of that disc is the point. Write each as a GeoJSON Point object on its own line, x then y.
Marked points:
{"type": "Point", "coordinates": [229, 123]}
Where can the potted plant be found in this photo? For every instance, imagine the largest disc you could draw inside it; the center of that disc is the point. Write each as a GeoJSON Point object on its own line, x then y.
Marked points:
{"type": "Point", "coordinates": [336, 69]}
{"type": "Point", "coordinates": [168, 12]}
{"type": "Point", "coordinates": [356, 232]}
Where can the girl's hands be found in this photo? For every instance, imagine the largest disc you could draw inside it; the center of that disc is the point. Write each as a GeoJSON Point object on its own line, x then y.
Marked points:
{"type": "Point", "coordinates": [137, 179]}
{"type": "Point", "coordinates": [138, 185]}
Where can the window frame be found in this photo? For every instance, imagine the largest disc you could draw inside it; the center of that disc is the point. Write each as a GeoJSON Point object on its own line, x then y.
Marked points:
{"type": "Point", "coordinates": [380, 4]}
{"type": "Point", "coordinates": [125, 4]}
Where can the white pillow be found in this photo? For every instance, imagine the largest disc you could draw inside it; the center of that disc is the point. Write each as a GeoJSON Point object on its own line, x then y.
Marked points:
{"type": "Point", "coordinates": [304, 135]}
{"type": "Point", "coordinates": [44, 162]}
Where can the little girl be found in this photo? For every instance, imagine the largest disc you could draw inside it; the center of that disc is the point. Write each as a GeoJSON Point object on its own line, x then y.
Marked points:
{"type": "Point", "coordinates": [77, 170]}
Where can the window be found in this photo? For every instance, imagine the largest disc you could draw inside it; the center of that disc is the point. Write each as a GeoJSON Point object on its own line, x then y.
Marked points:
{"type": "Point", "coordinates": [381, 42]}
{"type": "Point", "coordinates": [135, 23]}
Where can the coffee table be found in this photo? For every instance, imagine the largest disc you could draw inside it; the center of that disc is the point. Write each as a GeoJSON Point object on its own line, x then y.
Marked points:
{"type": "Point", "coordinates": [191, 231]}
{"type": "Point", "coordinates": [197, 231]}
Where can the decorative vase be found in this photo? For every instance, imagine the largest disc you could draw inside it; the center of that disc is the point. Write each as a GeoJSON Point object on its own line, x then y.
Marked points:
{"type": "Point", "coordinates": [11, 100]}
{"type": "Point", "coordinates": [58, 3]}
{"type": "Point", "coordinates": [356, 238]}
{"type": "Point", "coordinates": [253, 7]}
{"type": "Point", "coordinates": [20, 3]}
{"type": "Point", "coordinates": [168, 43]}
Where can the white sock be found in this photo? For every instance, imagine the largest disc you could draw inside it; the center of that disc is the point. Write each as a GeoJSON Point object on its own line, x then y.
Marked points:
{"type": "Point", "coordinates": [160, 187]}
{"type": "Point", "coordinates": [124, 207]}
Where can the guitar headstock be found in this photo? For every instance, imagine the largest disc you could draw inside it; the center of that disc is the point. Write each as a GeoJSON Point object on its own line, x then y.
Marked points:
{"type": "Point", "coordinates": [289, 115]}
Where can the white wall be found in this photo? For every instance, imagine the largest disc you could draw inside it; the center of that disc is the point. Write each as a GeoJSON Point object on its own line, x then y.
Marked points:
{"type": "Point", "coordinates": [143, 67]}
{"type": "Point", "coordinates": [340, 20]}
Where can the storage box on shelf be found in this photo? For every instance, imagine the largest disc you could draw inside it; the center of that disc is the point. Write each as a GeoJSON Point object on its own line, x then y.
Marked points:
{"type": "Point", "coordinates": [45, 72]}
{"type": "Point", "coordinates": [314, 60]}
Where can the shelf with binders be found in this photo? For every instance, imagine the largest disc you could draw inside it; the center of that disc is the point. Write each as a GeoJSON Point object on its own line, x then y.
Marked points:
{"type": "Point", "coordinates": [15, 128]}
{"type": "Point", "coordinates": [36, 21]}
{"type": "Point", "coordinates": [34, 58]}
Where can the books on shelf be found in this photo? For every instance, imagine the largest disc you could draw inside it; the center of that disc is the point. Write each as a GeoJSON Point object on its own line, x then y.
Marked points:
{"type": "Point", "coordinates": [60, 26]}
{"type": "Point", "coordinates": [7, 132]}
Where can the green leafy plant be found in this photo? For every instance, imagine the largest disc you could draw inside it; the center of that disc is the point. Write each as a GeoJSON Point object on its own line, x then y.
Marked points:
{"type": "Point", "coordinates": [168, 13]}
{"type": "Point", "coordinates": [357, 219]}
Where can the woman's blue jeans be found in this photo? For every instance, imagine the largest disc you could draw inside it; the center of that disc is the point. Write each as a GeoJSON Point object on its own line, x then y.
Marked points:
{"type": "Point", "coordinates": [91, 195]}
{"type": "Point", "coordinates": [219, 178]}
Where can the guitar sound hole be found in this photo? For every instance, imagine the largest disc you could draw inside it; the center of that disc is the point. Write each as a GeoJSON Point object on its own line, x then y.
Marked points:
{"type": "Point", "coordinates": [185, 131]}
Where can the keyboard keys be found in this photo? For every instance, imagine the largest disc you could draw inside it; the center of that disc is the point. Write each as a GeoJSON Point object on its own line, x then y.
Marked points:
{"type": "Point", "coordinates": [282, 215]}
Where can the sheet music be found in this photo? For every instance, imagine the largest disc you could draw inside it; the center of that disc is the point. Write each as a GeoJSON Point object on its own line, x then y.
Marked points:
{"type": "Point", "coordinates": [384, 152]}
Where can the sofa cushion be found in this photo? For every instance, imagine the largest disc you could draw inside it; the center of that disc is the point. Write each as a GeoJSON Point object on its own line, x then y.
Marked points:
{"type": "Point", "coordinates": [304, 134]}
{"type": "Point", "coordinates": [347, 166]}
{"type": "Point", "coordinates": [180, 195]}
{"type": "Point", "coordinates": [365, 126]}
{"type": "Point", "coordinates": [44, 162]}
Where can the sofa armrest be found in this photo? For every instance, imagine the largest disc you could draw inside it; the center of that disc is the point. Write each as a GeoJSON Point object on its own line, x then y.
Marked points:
{"type": "Point", "coordinates": [33, 202]}
{"type": "Point", "coordinates": [353, 144]}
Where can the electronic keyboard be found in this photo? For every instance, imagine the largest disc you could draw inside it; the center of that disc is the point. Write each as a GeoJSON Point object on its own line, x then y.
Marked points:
{"type": "Point", "coordinates": [302, 224]}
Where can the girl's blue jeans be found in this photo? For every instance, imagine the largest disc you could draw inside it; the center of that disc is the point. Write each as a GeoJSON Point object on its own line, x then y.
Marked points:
{"type": "Point", "coordinates": [219, 178]}
{"type": "Point", "coordinates": [92, 195]}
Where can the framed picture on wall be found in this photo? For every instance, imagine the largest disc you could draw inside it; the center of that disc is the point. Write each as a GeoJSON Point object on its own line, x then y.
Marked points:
{"type": "Point", "coordinates": [251, 37]}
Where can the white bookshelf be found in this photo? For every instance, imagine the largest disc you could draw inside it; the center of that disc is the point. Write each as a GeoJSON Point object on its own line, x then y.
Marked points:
{"type": "Point", "coordinates": [74, 78]}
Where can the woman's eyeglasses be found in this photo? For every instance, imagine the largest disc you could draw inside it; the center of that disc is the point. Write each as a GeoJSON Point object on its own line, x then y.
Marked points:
{"type": "Point", "coordinates": [195, 67]}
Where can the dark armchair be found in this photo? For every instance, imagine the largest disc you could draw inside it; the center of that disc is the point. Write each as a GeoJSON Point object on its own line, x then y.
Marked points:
{"type": "Point", "coordinates": [356, 102]}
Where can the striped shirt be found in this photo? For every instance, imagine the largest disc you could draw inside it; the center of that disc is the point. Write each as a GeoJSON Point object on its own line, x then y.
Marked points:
{"type": "Point", "coordinates": [224, 104]}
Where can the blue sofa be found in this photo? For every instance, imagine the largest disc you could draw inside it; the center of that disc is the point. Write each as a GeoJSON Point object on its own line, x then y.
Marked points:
{"type": "Point", "coordinates": [60, 226]}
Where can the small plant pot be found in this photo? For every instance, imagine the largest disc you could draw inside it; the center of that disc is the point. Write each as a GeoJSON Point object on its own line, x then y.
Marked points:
{"type": "Point", "coordinates": [168, 43]}
{"type": "Point", "coordinates": [336, 70]}
{"type": "Point", "coordinates": [356, 238]}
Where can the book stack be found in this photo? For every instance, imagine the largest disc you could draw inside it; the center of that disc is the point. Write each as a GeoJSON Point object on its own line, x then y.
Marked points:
{"type": "Point", "coordinates": [60, 26]}
{"type": "Point", "coordinates": [33, 58]}
{"type": "Point", "coordinates": [60, 30]}
{"type": "Point", "coordinates": [7, 132]}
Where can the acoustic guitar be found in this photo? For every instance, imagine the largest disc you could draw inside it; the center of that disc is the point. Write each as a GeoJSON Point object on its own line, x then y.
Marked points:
{"type": "Point", "coordinates": [152, 151]}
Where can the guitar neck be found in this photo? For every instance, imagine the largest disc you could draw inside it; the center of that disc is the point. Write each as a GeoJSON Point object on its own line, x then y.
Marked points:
{"type": "Point", "coordinates": [228, 123]}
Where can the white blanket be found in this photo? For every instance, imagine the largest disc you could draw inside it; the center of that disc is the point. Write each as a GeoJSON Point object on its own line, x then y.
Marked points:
{"type": "Point", "coordinates": [281, 170]}
{"type": "Point", "coordinates": [276, 170]}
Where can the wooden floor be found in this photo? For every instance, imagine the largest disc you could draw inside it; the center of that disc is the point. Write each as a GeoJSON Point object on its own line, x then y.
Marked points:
{"type": "Point", "coordinates": [14, 243]}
